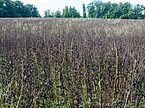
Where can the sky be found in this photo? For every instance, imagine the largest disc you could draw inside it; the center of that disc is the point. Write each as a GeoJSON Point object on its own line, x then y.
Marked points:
{"type": "Point", "coordinates": [54, 5]}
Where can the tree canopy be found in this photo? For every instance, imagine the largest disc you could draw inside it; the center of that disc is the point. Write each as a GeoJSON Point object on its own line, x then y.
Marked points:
{"type": "Point", "coordinates": [99, 9]}
{"type": "Point", "coordinates": [95, 9]}
{"type": "Point", "coordinates": [10, 8]}
{"type": "Point", "coordinates": [68, 12]}
{"type": "Point", "coordinates": [106, 10]}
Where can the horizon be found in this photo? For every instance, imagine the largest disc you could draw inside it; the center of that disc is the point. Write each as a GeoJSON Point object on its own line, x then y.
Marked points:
{"type": "Point", "coordinates": [60, 4]}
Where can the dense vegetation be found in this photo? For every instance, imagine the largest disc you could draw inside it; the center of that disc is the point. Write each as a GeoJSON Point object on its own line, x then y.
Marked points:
{"type": "Point", "coordinates": [9, 8]}
{"type": "Point", "coordinates": [72, 63]}
{"type": "Point", "coordinates": [95, 9]}
{"type": "Point", "coordinates": [99, 9]}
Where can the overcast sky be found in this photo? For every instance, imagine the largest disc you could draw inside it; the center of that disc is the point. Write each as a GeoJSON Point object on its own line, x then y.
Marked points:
{"type": "Point", "coordinates": [59, 4]}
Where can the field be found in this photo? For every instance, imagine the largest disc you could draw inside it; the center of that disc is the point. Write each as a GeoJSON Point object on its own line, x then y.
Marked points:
{"type": "Point", "coordinates": [72, 63]}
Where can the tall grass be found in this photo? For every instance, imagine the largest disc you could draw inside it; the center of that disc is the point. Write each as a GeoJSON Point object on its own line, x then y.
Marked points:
{"type": "Point", "coordinates": [65, 63]}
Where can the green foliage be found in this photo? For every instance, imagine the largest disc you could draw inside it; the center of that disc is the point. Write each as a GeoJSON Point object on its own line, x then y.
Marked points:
{"type": "Point", "coordinates": [70, 12]}
{"type": "Point", "coordinates": [91, 10]}
{"type": "Point", "coordinates": [58, 14]}
{"type": "Point", "coordinates": [66, 13]}
{"type": "Point", "coordinates": [95, 9]}
{"type": "Point", "coordinates": [48, 14]}
{"type": "Point", "coordinates": [99, 9]}
{"type": "Point", "coordinates": [31, 11]}
{"type": "Point", "coordinates": [9, 8]}
{"type": "Point", "coordinates": [20, 9]}
{"type": "Point", "coordinates": [84, 11]}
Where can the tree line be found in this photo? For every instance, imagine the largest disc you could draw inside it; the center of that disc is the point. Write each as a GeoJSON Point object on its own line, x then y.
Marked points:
{"type": "Point", "coordinates": [95, 9]}
{"type": "Point", "coordinates": [9, 8]}
{"type": "Point", "coordinates": [99, 9]}
{"type": "Point", "coordinates": [67, 12]}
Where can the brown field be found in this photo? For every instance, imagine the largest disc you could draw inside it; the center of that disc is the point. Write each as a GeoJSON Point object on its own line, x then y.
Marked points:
{"type": "Point", "coordinates": [72, 63]}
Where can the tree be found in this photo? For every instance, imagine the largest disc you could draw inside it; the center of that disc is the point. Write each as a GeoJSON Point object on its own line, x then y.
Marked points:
{"type": "Point", "coordinates": [106, 8]}
{"type": "Point", "coordinates": [57, 14]}
{"type": "Point", "coordinates": [70, 12]}
{"type": "Point", "coordinates": [84, 11]}
{"type": "Point", "coordinates": [66, 13]}
{"type": "Point", "coordinates": [48, 14]}
{"type": "Point", "coordinates": [10, 8]}
{"type": "Point", "coordinates": [31, 11]}
{"type": "Point", "coordinates": [91, 10]}
{"type": "Point", "coordinates": [138, 9]}
{"type": "Point", "coordinates": [1, 8]}
{"type": "Point", "coordinates": [20, 9]}
{"type": "Point", "coordinates": [125, 10]}
{"type": "Point", "coordinates": [73, 13]}
{"type": "Point", "coordinates": [116, 11]}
